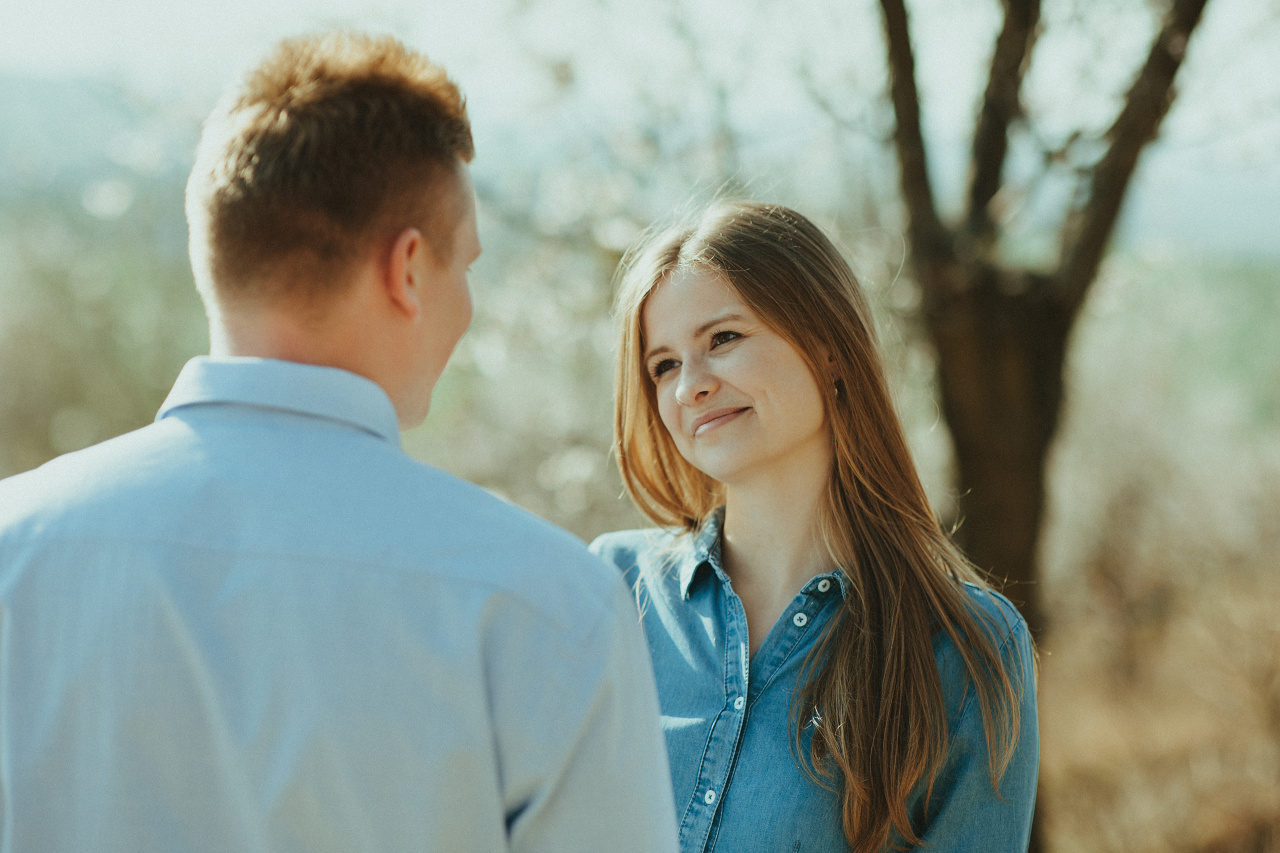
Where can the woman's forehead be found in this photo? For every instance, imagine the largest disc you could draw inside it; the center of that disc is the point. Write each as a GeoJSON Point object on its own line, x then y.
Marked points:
{"type": "Point", "coordinates": [686, 292]}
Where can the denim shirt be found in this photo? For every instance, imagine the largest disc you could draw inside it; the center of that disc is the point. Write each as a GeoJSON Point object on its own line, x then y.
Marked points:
{"type": "Point", "coordinates": [726, 713]}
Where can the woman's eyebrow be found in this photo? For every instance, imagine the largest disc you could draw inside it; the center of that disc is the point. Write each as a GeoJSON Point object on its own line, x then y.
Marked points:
{"type": "Point", "coordinates": [700, 331]}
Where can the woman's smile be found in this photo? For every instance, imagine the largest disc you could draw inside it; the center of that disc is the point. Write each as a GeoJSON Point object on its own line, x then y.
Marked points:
{"type": "Point", "coordinates": [716, 418]}
{"type": "Point", "coordinates": [737, 399]}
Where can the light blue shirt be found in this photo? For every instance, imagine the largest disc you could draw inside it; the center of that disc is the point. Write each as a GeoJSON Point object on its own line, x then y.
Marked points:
{"type": "Point", "coordinates": [726, 713]}
{"type": "Point", "coordinates": [257, 625]}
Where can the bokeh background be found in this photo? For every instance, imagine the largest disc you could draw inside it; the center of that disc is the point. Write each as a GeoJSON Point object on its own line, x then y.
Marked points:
{"type": "Point", "coordinates": [1159, 554]}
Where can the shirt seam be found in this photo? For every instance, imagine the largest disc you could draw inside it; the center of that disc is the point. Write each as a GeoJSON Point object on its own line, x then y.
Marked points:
{"type": "Point", "coordinates": [386, 569]}
{"type": "Point", "coordinates": [969, 690]}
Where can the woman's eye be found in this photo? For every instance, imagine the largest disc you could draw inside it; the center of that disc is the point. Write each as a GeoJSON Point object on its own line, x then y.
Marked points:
{"type": "Point", "coordinates": [723, 338]}
{"type": "Point", "coordinates": [661, 367]}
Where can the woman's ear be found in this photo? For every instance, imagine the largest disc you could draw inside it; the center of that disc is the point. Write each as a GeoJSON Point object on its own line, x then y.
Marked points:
{"type": "Point", "coordinates": [833, 375]}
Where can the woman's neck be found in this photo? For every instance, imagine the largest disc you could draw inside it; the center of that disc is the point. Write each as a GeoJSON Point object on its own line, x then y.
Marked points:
{"type": "Point", "coordinates": [771, 544]}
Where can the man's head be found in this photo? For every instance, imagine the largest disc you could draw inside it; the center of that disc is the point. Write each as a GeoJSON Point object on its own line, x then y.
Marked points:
{"type": "Point", "coordinates": [328, 145]}
{"type": "Point", "coordinates": [328, 158]}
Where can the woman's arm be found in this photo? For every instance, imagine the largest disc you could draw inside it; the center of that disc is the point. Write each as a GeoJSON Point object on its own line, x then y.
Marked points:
{"type": "Point", "coordinates": [964, 812]}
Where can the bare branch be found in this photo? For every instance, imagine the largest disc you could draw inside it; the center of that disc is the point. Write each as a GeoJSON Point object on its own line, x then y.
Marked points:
{"type": "Point", "coordinates": [1000, 106]}
{"type": "Point", "coordinates": [1145, 107]}
{"type": "Point", "coordinates": [520, 218]}
{"type": "Point", "coordinates": [862, 125]}
{"type": "Point", "coordinates": [930, 240]}
{"type": "Point", "coordinates": [725, 142]}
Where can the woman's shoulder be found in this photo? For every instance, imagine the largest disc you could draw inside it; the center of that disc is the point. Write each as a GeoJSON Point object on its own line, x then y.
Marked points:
{"type": "Point", "coordinates": [649, 553]}
{"type": "Point", "coordinates": [998, 615]}
{"type": "Point", "coordinates": [628, 548]}
{"type": "Point", "coordinates": [1005, 629]}
{"type": "Point", "coordinates": [631, 543]}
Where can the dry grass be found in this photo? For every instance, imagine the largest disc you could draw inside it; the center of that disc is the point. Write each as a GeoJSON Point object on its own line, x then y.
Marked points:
{"type": "Point", "coordinates": [1180, 752]}
{"type": "Point", "coordinates": [1160, 680]}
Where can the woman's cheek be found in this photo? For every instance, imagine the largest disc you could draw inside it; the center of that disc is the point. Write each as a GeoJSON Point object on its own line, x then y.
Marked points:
{"type": "Point", "coordinates": [669, 413]}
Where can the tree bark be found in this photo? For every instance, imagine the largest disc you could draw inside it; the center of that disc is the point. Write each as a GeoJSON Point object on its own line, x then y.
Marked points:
{"type": "Point", "coordinates": [1000, 106]}
{"type": "Point", "coordinates": [1000, 345]}
{"type": "Point", "coordinates": [1089, 230]}
{"type": "Point", "coordinates": [1000, 334]}
{"type": "Point", "coordinates": [930, 239]}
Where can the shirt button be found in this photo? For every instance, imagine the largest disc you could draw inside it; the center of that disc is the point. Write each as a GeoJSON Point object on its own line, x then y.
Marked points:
{"type": "Point", "coordinates": [824, 585]}
{"type": "Point", "coordinates": [738, 703]}
{"type": "Point", "coordinates": [800, 620]}
{"type": "Point", "coordinates": [710, 797]}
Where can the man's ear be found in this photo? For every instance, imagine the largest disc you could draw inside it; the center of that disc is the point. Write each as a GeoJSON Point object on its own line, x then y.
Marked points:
{"type": "Point", "coordinates": [403, 279]}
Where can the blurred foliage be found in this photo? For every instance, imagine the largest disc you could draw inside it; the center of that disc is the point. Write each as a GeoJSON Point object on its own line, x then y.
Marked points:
{"type": "Point", "coordinates": [95, 318]}
{"type": "Point", "coordinates": [1160, 689]}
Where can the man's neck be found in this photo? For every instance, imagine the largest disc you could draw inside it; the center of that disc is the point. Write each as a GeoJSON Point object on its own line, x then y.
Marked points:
{"type": "Point", "coordinates": [275, 334]}
{"type": "Point", "coordinates": [339, 337]}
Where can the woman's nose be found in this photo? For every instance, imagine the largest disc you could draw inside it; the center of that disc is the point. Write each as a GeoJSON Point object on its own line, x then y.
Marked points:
{"type": "Point", "coordinates": [695, 383]}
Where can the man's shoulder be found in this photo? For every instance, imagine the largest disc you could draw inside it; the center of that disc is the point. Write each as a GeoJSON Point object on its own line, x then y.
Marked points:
{"type": "Point", "coordinates": [458, 514]}
{"type": "Point", "coordinates": [458, 534]}
{"type": "Point", "coordinates": [81, 480]}
{"type": "Point", "coordinates": [350, 501]}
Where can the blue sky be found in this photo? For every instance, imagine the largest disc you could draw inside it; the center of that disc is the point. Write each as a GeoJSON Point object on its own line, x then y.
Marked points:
{"type": "Point", "coordinates": [195, 48]}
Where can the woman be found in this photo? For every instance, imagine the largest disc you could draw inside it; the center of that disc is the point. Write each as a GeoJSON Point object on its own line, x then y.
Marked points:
{"type": "Point", "coordinates": [833, 674]}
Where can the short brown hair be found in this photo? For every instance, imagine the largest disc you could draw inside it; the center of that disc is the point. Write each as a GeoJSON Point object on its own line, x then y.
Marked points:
{"type": "Point", "coordinates": [331, 142]}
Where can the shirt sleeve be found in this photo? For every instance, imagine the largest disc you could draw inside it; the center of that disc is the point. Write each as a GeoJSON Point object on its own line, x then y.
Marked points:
{"type": "Point", "coordinates": [965, 812]}
{"type": "Point", "coordinates": [582, 757]}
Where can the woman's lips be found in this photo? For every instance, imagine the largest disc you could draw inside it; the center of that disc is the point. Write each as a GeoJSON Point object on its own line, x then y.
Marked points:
{"type": "Point", "coordinates": [715, 418]}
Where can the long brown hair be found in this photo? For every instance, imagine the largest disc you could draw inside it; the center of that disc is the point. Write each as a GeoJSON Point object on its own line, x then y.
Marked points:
{"type": "Point", "coordinates": [872, 682]}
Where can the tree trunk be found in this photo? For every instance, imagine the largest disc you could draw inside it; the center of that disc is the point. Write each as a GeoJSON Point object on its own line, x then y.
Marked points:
{"type": "Point", "coordinates": [1000, 334]}
{"type": "Point", "coordinates": [1000, 339]}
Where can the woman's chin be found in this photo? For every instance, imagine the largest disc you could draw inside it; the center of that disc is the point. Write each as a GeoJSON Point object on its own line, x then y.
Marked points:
{"type": "Point", "coordinates": [726, 472]}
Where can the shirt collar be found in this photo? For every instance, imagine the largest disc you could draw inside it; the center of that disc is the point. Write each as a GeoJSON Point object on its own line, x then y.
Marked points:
{"type": "Point", "coordinates": [704, 550]}
{"type": "Point", "coordinates": [704, 554]}
{"type": "Point", "coordinates": [308, 389]}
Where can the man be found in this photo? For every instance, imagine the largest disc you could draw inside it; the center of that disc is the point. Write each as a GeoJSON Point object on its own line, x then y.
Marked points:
{"type": "Point", "coordinates": [256, 624]}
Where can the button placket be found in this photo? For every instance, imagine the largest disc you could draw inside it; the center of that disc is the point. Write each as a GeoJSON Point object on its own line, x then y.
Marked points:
{"type": "Point", "coordinates": [726, 731]}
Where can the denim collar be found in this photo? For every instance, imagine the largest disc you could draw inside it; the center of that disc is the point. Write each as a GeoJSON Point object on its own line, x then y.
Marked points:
{"type": "Point", "coordinates": [702, 554]}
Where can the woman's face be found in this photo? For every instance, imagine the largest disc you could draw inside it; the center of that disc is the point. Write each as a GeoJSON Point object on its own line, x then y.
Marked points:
{"type": "Point", "coordinates": [737, 399]}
